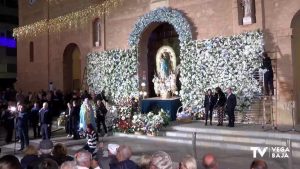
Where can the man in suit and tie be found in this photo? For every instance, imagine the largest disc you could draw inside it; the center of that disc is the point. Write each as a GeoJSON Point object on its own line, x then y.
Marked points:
{"type": "Point", "coordinates": [230, 106]}
{"type": "Point", "coordinates": [22, 127]}
{"type": "Point", "coordinates": [45, 120]}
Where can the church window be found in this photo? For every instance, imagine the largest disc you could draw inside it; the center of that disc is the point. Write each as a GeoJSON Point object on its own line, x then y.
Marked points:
{"type": "Point", "coordinates": [96, 32]}
{"type": "Point", "coordinates": [31, 52]}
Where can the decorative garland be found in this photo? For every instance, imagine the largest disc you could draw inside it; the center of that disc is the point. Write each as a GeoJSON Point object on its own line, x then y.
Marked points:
{"type": "Point", "coordinates": [224, 62]}
{"type": "Point", "coordinates": [68, 21]}
{"type": "Point", "coordinates": [115, 72]}
{"type": "Point", "coordinates": [169, 15]}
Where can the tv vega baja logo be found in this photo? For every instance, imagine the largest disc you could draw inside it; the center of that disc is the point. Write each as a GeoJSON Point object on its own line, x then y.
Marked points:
{"type": "Point", "coordinates": [273, 152]}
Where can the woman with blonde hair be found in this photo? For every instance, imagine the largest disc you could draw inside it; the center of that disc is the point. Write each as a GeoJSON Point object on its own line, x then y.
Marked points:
{"type": "Point", "coordinates": [188, 162]}
{"type": "Point", "coordinates": [30, 155]}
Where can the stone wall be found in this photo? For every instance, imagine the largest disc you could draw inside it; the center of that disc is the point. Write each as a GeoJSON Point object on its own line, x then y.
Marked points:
{"type": "Point", "coordinates": [208, 18]}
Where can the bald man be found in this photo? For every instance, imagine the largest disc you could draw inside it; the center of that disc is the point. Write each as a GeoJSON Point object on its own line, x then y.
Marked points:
{"type": "Point", "coordinates": [123, 156]}
{"type": "Point", "coordinates": [209, 161]}
{"type": "Point", "coordinates": [84, 160]}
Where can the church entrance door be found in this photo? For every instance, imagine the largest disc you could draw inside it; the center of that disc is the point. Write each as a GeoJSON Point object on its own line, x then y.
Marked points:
{"type": "Point", "coordinates": [163, 35]}
{"type": "Point", "coordinates": [71, 68]}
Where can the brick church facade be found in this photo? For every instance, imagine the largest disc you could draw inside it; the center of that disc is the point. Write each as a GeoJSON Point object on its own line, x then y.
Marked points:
{"type": "Point", "coordinates": [60, 57]}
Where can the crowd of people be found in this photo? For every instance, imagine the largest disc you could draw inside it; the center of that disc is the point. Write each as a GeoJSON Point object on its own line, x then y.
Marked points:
{"type": "Point", "coordinates": [49, 156]}
{"type": "Point", "coordinates": [20, 112]}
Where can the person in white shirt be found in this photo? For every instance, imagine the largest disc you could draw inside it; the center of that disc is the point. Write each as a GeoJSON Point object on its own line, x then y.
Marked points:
{"type": "Point", "coordinates": [84, 161]}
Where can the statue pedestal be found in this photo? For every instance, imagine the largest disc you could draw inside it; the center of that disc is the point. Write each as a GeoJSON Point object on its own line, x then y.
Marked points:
{"type": "Point", "coordinates": [247, 20]}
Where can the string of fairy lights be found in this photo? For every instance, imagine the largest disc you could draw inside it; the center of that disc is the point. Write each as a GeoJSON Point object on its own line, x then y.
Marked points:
{"type": "Point", "coordinates": [68, 21]}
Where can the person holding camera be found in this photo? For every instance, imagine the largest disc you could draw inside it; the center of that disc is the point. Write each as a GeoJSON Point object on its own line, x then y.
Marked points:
{"type": "Point", "coordinates": [8, 116]}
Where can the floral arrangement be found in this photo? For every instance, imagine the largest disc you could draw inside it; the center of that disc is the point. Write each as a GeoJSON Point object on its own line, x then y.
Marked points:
{"type": "Point", "coordinates": [224, 62]}
{"type": "Point", "coordinates": [169, 15]}
{"type": "Point", "coordinates": [184, 115]}
{"type": "Point", "coordinates": [139, 122]}
{"type": "Point", "coordinates": [115, 72]}
{"type": "Point", "coordinates": [162, 85]}
{"type": "Point", "coordinates": [123, 123]}
{"type": "Point", "coordinates": [142, 123]}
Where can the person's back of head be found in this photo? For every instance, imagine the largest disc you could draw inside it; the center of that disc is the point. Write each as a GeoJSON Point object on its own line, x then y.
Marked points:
{"type": "Point", "coordinates": [31, 150]}
{"type": "Point", "coordinates": [83, 159]}
{"type": "Point", "coordinates": [209, 161]}
{"type": "Point", "coordinates": [124, 153]}
{"type": "Point", "coordinates": [48, 163]}
{"type": "Point", "coordinates": [188, 162]}
{"type": "Point", "coordinates": [9, 162]}
{"type": "Point", "coordinates": [68, 165]}
{"type": "Point", "coordinates": [161, 160]}
{"type": "Point", "coordinates": [144, 162]}
{"type": "Point", "coordinates": [258, 164]}
{"type": "Point", "coordinates": [59, 150]}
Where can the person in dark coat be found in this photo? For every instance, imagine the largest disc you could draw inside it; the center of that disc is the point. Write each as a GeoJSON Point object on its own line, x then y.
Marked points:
{"type": "Point", "coordinates": [209, 102]}
{"type": "Point", "coordinates": [230, 106]}
{"type": "Point", "coordinates": [101, 112]}
{"type": "Point", "coordinates": [45, 149]}
{"type": "Point", "coordinates": [31, 155]}
{"type": "Point", "coordinates": [123, 156]}
{"type": "Point", "coordinates": [22, 126]}
{"type": "Point", "coordinates": [75, 116]}
{"type": "Point", "coordinates": [220, 103]}
{"type": "Point", "coordinates": [60, 154]}
{"type": "Point", "coordinates": [105, 161]}
{"type": "Point", "coordinates": [45, 120]}
{"type": "Point", "coordinates": [34, 120]}
{"type": "Point", "coordinates": [268, 75]}
{"type": "Point", "coordinates": [8, 117]}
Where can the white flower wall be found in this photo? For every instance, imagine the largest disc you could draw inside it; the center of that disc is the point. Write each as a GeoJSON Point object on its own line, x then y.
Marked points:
{"type": "Point", "coordinates": [222, 61]}
{"type": "Point", "coordinates": [115, 72]}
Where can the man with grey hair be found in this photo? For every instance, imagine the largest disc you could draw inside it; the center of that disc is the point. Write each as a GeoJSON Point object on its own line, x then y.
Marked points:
{"type": "Point", "coordinates": [161, 160]}
{"type": "Point", "coordinates": [230, 106]}
{"type": "Point", "coordinates": [84, 161]}
{"type": "Point", "coordinates": [123, 156]}
{"type": "Point", "coordinates": [68, 165]}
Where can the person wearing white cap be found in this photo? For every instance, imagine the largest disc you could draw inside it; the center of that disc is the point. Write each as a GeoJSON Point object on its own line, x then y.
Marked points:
{"type": "Point", "coordinates": [105, 160]}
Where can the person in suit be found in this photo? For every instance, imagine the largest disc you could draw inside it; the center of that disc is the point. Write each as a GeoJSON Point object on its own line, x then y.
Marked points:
{"type": "Point", "coordinates": [45, 120]}
{"type": "Point", "coordinates": [34, 119]}
{"type": "Point", "coordinates": [221, 100]}
{"type": "Point", "coordinates": [268, 76]}
{"type": "Point", "coordinates": [22, 126]}
{"type": "Point", "coordinates": [230, 106]}
{"type": "Point", "coordinates": [209, 103]}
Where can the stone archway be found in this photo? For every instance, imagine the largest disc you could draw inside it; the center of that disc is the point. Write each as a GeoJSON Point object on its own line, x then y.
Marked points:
{"type": "Point", "coordinates": [143, 29]}
{"type": "Point", "coordinates": [71, 68]}
{"type": "Point", "coordinates": [295, 25]}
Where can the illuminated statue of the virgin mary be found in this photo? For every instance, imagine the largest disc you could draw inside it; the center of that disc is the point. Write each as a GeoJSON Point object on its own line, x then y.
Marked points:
{"type": "Point", "coordinates": [165, 80]}
{"type": "Point", "coordinates": [165, 65]}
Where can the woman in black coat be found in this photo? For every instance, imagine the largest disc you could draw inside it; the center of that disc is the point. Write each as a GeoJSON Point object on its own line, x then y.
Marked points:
{"type": "Point", "coordinates": [220, 104]}
{"type": "Point", "coordinates": [209, 102]}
